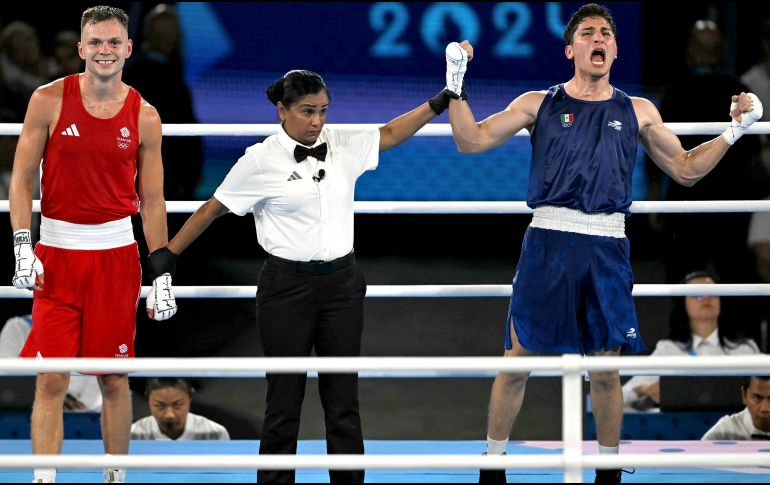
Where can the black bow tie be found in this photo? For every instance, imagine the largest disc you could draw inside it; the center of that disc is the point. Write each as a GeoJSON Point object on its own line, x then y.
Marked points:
{"type": "Point", "coordinates": [757, 436]}
{"type": "Point", "coordinates": [301, 153]}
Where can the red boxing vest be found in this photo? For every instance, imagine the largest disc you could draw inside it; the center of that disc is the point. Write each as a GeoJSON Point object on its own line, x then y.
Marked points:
{"type": "Point", "coordinates": [89, 164]}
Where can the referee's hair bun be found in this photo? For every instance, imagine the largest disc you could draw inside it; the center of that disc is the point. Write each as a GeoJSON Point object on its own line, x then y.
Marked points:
{"type": "Point", "coordinates": [294, 85]}
{"type": "Point", "coordinates": [275, 91]}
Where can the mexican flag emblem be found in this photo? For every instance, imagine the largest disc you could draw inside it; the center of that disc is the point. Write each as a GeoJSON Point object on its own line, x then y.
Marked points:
{"type": "Point", "coordinates": [567, 119]}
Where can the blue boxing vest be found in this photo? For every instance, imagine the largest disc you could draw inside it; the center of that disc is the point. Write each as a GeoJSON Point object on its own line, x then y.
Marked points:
{"type": "Point", "coordinates": [583, 153]}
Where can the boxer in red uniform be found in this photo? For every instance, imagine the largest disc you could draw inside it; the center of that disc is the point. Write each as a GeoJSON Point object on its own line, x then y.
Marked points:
{"type": "Point", "coordinates": [96, 136]}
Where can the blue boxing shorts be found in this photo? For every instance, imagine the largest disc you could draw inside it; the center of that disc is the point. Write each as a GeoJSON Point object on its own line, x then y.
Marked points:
{"type": "Point", "coordinates": [572, 290]}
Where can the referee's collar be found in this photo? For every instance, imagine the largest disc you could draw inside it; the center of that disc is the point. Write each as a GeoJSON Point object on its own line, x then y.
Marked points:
{"type": "Point", "coordinates": [289, 143]}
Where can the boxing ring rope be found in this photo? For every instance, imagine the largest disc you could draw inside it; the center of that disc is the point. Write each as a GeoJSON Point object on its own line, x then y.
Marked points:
{"type": "Point", "coordinates": [495, 207]}
{"type": "Point", "coordinates": [573, 464]}
{"type": "Point", "coordinates": [431, 129]}
{"type": "Point", "coordinates": [570, 367]}
{"type": "Point", "coordinates": [459, 366]}
{"type": "Point", "coordinates": [452, 291]}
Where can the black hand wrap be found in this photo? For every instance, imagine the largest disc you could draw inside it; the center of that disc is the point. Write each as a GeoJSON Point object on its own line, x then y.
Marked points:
{"type": "Point", "coordinates": [440, 102]}
{"type": "Point", "coordinates": [161, 261]}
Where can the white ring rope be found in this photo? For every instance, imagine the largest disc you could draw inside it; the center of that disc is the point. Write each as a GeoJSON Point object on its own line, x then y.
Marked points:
{"type": "Point", "coordinates": [571, 460]}
{"type": "Point", "coordinates": [452, 291]}
{"type": "Point", "coordinates": [432, 129]}
{"type": "Point", "coordinates": [519, 207]}
{"type": "Point", "coordinates": [495, 207]}
{"type": "Point", "coordinates": [354, 462]}
{"type": "Point", "coordinates": [571, 367]}
{"type": "Point", "coordinates": [458, 366]}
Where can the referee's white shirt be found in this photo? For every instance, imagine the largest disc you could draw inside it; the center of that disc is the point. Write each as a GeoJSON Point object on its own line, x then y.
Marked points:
{"type": "Point", "coordinates": [297, 218]}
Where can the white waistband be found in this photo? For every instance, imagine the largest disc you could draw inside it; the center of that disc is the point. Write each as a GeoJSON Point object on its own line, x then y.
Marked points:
{"type": "Point", "coordinates": [66, 235]}
{"type": "Point", "coordinates": [572, 220]}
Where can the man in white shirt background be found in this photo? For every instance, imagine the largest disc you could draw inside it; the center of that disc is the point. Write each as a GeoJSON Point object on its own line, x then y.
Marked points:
{"type": "Point", "coordinates": [169, 400]}
{"type": "Point", "coordinates": [753, 423]}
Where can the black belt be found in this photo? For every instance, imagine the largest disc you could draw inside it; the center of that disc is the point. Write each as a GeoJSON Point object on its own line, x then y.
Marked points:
{"type": "Point", "coordinates": [313, 267]}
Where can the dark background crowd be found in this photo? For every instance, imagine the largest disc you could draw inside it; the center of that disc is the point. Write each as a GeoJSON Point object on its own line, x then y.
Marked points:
{"type": "Point", "coordinates": [688, 68]}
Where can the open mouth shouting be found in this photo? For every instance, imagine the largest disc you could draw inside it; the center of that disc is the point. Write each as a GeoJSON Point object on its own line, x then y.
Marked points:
{"type": "Point", "coordinates": [598, 57]}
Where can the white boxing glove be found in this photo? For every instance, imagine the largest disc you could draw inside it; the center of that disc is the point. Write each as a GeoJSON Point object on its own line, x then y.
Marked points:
{"type": "Point", "coordinates": [456, 65]}
{"type": "Point", "coordinates": [28, 267]}
{"type": "Point", "coordinates": [738, 128]}
{"type": "Point", "coordinates": [161, 304]}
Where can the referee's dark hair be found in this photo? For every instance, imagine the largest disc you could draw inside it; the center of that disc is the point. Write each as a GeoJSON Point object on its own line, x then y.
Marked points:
{"type": "Point", "coordinates": [163, 382]}
{"type": "Point", "coordinates": [295, 84]}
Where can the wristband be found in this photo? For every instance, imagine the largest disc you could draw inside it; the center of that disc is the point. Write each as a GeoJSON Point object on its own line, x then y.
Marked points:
{"type": "Point", "coordinates": [440, 102]}
{"type": "Point", "coordinates": [161, 261]}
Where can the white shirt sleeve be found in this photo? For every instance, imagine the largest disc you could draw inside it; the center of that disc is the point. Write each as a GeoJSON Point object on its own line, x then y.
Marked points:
{"type": "Point", "coordinates": [629, 394]}
{"type": "Point", "coordinates": [759, 228]}
{"type": "Point", "coordinates": [83, 388]}
{"type": "Point", "coordinates": [733, 427]}
{"type": "Point", "coordinates": [86, 390]}
{"type": "Point", "coordinates": [663, 347]}
{"type": "Point", "coordinates": [716, 432]}
{"type": "Point", "coordinates": [202, 428]}
{"type": "Point", "coordinates": [146, 429]}
{"type": "Point", "coordinates": [13, 336]}
{"type": "Point", "coordinates": [362, 144]}
{"type": "Point", "coordinates": [243, 186]}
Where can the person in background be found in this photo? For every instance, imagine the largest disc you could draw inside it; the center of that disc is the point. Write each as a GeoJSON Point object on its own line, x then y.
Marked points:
{"type": "Point", "coordinates": [169, 400]}
{"type": "Point", "coordinates": [689, 239]}
{"type": "Point", "coordinates": [23, 68]}
{"type": "Point", "coordinates": [157, 72]}
{"type": "Point", "coordinates": [83, 394]}
{"type": "Point", "coordinates": [753, 423]}
{"type": "Point", "coordinates": [572, 287]}
{"type": "Point", "coordinates": [100, 144]}
{"type": "Point", "coordinates": [65, 59]}
{"type": "Point", "coordinates": [299, 185]}
{"type": "Point", "coordinates": [757, 78]}
{"type": "Point", "coordinates": [694, 330]}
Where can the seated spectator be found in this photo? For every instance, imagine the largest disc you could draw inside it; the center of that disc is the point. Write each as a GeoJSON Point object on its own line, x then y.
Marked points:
{"type": "Point", "coordinates": [753, 423]}
{"type": "Point", "coordinates": [83, 393]}
{"type": "Point", "coordinates": [171, 419]}
{"type": "Point", "coordinates": [694, 330]}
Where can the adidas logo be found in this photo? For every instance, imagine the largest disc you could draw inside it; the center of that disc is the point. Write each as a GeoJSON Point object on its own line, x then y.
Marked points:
{"type": "Point", "coordinates": [294, 176]}
{"type": "Point", "coordinates": [72, 130]}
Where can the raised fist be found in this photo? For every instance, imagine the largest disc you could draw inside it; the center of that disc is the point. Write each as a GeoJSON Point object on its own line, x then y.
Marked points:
{"type": "Point", "coordinates": [745, 110]}
{"type": "Point", "coordinates": [456, 65]}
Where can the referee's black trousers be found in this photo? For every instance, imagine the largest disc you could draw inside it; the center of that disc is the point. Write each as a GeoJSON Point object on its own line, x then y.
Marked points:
{"type": "Point", "coordinates": [302, 306]}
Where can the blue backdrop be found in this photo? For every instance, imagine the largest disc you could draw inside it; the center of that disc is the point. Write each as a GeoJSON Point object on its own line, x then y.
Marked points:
{"type": "Point", "coordinates": [380, 60]}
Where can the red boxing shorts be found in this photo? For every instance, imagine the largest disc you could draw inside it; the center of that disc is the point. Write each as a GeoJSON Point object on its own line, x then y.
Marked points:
{"type": "Point", "coordinates": [87, 307]}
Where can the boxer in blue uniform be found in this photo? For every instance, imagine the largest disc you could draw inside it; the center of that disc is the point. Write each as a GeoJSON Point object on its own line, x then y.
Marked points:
{"type": "Point", "coordinates": [572, 288]}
